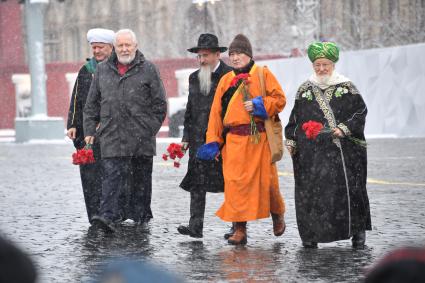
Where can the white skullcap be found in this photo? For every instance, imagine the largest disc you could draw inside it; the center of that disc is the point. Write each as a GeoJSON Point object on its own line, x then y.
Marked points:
{"type": "Point", "coordinates": [100, 35]}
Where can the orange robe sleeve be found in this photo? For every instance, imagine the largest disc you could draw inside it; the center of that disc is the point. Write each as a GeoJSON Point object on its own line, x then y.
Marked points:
{"type": "Point", "coordinates": [275, 100]}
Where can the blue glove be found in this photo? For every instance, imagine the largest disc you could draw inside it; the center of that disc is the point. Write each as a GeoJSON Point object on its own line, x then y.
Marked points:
{"type": "Point", "coordinates": [259, 109]}
{"type": "Point", "coordinates": [208, 151]}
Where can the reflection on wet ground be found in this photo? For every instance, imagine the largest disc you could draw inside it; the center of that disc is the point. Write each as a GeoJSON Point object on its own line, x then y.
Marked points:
{"type": "Point", "coordinates": [42, 210]}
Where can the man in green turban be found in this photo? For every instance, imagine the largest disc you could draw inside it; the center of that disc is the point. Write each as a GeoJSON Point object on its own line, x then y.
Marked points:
{"type": "Point", "coordinates": [330, 169]}
{"type": "Point", "coordinates": [327, 50]}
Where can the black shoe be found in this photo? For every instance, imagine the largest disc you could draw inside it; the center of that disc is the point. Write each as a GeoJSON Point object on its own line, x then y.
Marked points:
{"type": "Point", "coordinates": [310, 245]}
{"type": "Point", "coordinates": [104, 224]}
{"type": "Point", "coordinates": [230, 233]}
{"type": "Point", "coordinates": [359, 239]}
{"type": "Point", "coordinates": [184, 230]}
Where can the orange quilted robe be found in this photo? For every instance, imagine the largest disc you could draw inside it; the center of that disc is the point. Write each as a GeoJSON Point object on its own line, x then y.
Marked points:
{"type": "Point", "coordinates": [251, 186]}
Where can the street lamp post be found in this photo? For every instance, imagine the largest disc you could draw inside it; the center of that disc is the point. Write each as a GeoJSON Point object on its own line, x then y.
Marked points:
{"type": "Point", "coordinates": [204, 4]}
{"type": "Point", "coordinates": [38, 125]}
{"type": "Point", "coordinates": [34, 20]}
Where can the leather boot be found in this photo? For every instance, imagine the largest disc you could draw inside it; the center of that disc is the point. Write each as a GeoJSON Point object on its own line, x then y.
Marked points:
{"type": "Point", "coordinates": [231, 232]}
{"type": "Point", "coordinates": [279, 225]}
{"type": "Point", "coordinates": [239, 237]}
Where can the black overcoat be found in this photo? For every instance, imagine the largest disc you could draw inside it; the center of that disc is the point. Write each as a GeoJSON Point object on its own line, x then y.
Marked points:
{"type": "Point", "coordinates": [129, 108]}
{"type": "Point", "coordinates": [91, 174]}
{"type": "Point", "coordinates": [78, 100]}
{"type": "Point", "coordinates": [201, 174]}
{"type": "Point", "coordinates": [331, 200]}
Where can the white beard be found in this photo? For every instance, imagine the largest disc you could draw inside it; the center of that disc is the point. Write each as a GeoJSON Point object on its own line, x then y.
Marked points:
{"type": "Point", "coordinates": [204, 77]}
{"type": "Point", "coordinates": [125, 60]}
{"type": "Point", "coordinates": [326, 81]}
{"type": "Point", "coordinates": [323, 80]}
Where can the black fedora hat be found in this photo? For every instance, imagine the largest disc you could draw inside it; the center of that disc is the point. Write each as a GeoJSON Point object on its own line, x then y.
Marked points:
{"type": "Point", "coordinates": [207, 41]}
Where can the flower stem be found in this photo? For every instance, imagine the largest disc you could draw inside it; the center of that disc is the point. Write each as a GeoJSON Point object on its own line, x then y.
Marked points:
{"type": "Point", "coordinates": [254, 134]}
{"type": "Point", "coordinates": [358, 141]}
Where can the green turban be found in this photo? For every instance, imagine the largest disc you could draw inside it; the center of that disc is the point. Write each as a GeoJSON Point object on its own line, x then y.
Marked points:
{"type": "Point", "coordinates": [327, 50]}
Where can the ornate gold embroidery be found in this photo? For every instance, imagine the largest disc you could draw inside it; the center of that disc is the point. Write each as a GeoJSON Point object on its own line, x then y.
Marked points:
{"type": "Point", "coordinates": [318, 94]}
{"type": "Point", "coordinates": [302, 89]}
{"type": "Point", "coordinates": [351, 88]}
{"type": "Point", "coordinates": [329, 92]}
{"type": "Point", "coordinates": [345, 129]}
{"type": "Point", "coordinates": [291, 143]}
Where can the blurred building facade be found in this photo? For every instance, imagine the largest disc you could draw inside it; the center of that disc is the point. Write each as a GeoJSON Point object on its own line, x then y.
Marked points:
{"type": "Point", "coordinates": [167, 27]}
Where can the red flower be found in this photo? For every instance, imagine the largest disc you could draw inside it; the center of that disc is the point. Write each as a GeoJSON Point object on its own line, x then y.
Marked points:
{"type": "Point", "coordinates": [83, 156]}
{"type": "Point", "coordinates": [312, 129]}
{"type": "Point", "coordinates": [174, 151]}
{"type": "Point", "coordinates": [75, 158]}
{"type": "Point", "coordinates": [244, 77]}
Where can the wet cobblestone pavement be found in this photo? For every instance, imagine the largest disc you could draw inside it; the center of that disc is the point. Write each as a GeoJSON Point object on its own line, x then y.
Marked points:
{"type": "Point", "coordinates": [42, 210]}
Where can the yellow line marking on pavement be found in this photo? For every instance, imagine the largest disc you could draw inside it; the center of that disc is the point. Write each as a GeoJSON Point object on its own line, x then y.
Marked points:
{"type": "Point", "coordinates": [370, 181]}
{"type": "Point", "coordinates": [285, 173]}
{"type": "Point", "coordinates": [383, 182]}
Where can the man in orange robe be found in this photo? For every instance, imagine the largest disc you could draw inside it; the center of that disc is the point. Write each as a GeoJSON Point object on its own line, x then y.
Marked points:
{"type": "Point", "coordinates": [251, 186]}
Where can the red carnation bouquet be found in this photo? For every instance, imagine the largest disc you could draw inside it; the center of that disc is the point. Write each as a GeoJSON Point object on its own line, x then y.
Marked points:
{"type": "Point", "coordinates": [83, 156]}
{"type": "Point", "coordinates": [243, 79]}
{"type": "Point", "coordinates": [312, 129]}
{"type": "Point", "coordinates": [174, 152]}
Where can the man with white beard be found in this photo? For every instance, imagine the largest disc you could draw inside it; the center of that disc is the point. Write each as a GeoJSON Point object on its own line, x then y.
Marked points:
{"type": "Point", "coordinates": [202, 176]}
{"type": "Point", "coordinates": [325, 137]}
{"type": "Point", "coordinates": [127, 100]}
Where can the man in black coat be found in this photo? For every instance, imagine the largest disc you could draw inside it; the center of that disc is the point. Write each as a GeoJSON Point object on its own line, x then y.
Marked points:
{"type": "Point", "coordinates": [101, 45]}
{"type": "Point", "coordinates": [127, 98]}
{"type": "Point", "coordinates": [202, 176]}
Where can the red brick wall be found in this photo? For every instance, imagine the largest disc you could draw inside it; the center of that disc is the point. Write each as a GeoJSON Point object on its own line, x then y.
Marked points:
{"type": "Point", "coordinates": [11, 58]}
{"type": "Point", "coordinates": [11, 40]}
{"type": "Point", "coordinates": [167, 68]}
{"type": "Point", "coordinates": [57, 86]}
{"type": "Point", "coordinates": [7, 96]}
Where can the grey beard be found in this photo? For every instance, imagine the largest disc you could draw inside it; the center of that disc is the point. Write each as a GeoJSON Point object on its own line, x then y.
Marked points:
{"type": "Point", "coordinates": [204, 77]}
{"type": "Point", "coordinates": [126, 60]}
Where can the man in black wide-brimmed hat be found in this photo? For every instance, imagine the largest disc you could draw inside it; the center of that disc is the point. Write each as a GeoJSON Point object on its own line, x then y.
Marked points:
{"type": "Point", "coordinates": [202, 176]}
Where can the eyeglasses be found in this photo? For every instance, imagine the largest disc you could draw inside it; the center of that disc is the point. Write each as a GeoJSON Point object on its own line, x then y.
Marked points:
{"type": "Point", "coordinates": [324, 65]}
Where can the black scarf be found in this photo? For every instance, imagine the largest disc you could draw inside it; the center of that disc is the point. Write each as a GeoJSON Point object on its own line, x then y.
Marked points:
{"type": "Point", "coordinates": [227, 96]}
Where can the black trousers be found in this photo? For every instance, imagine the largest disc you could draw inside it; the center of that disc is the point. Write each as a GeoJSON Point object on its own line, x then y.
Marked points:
{"type": "Point", "coordinates": [197, 210]}
{"type": "Point", "coordinates": [91, 181]}
{"type": "Point", "coordinates": [127, 188]}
